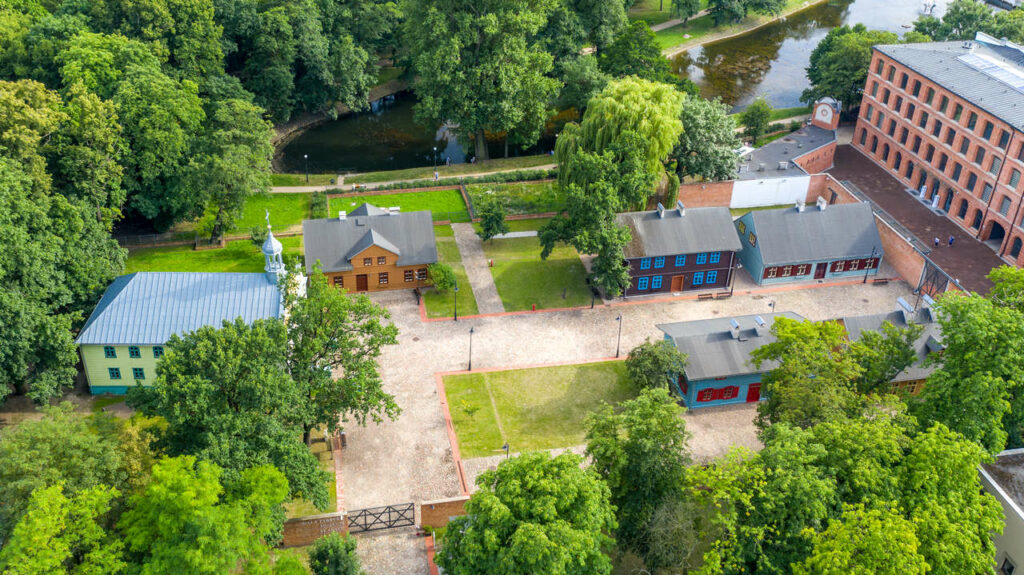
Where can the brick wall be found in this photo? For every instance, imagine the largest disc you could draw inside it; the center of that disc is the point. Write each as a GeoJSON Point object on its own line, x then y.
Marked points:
{"type": "Point", "coordinates": [817, 161]}
{"type": "Point", "coordinates": [435, 513]}
{"type": "Point", "coordinates": [305, 530]}
{"type": "Point", "coordinates": [705, 194]}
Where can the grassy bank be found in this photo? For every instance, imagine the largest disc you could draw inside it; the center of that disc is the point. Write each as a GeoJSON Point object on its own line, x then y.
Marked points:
{"type": "Point", "coordinates": [703, 29]}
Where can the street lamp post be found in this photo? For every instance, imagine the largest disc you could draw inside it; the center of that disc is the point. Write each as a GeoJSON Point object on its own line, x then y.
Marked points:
{"type": "Point", "coordinates": [435, 158]}
{"type": "Point", "coordinates": [306, 158]}
{"type": "Point", "coordinates": [618, 340]}
{"type": "Point", "coordinates": [470, 349]}
{"type": "Point", "coordinates": [505, 447]}
{"type": "Point", "coordinates": [455, 308]}
{"type": "Point", "coordinates": [867, 268]}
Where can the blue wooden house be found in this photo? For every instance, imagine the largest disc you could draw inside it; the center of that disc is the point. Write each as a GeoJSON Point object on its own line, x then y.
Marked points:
{"type": "Point", "coordinates": [804, 244]}
{"type": "Point", "coordinates": [718, 368]}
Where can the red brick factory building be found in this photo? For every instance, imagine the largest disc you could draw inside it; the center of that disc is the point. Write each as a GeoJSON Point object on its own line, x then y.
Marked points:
{"type": "Point", "coordinates": [947, 120]}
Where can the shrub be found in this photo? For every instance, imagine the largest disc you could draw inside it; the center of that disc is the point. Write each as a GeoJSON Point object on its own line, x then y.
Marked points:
{"type": "Point", "coordinates": [442, 276]}
{"type": "Point", "coordinates": [492, 220]}
{"type": "Point", "coordinates": [318, 205]}
{"type": "Point", "coordinates": [258, 235]}
{"type": "Point", "coordinates": [334, 554]}
{"type": "Point", "coordinates": [654, 365]}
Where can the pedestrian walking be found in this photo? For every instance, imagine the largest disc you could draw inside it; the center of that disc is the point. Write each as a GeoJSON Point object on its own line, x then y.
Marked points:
{"type": "Point", "coordinates": [951, 241]}
{"type": "Point", "coordinates": [936, 239]}
{"type": "Point", "coordinates": [436, 176]}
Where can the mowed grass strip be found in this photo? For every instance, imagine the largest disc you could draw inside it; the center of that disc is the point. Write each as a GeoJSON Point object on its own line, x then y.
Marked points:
{"type": "Point", "coordinates": [442, 304]}
{"type": "Point", "coordinates": [237, 256]}
{"type": "Point", "coordinates": [519, 197]}
{"type": "Point", "coordinates": [539, 408]}
{"type": "Point", "coordinates": [480, 167]}
{"type": "Point", "coordinates": [523, 279]}
{"type": "Point", "coordinates": [440, 202]}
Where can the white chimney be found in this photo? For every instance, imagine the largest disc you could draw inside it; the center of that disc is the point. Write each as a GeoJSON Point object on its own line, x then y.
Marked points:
{"type": "Point", "coordinates": [342, 214]}
{"type": "Point", "coordinates": [680, 208]}
{"type": "Point", "coordinates": [760, 167]}
{"type": "Point", "coordinates": [821, 203]}
{"type": "Point", "coordinates": [783, 165]}
{"type": "Point", "coordinates": [393, 210]}
{"type": "Point", "coordinates": [761, 326]}
{"type": "Point", "coordinates": [734, 328]}
{"type": "Point", "coordinates": [661, 210]}
{"type": "Point", "coordinates": [799, 205]}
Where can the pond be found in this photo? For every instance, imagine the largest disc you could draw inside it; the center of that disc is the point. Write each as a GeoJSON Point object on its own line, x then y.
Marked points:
{"type": "Point", "coordinates": [384, 138]}
{"type": "Point", "coordinates": [772, 60]}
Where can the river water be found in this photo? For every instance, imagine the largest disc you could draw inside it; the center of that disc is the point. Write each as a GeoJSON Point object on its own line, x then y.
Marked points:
{"type": "Point", "coordinates": [770, 61]}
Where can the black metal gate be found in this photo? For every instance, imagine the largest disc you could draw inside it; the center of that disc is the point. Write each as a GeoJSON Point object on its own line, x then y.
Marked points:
{"type": "Point", "coordinates": [934, 280]}
{"type": "Point", "coordinates": [386, 517]}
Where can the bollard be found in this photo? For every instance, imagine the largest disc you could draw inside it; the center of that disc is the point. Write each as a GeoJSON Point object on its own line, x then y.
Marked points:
{"type": "Point", "coordinates": [534, 307]}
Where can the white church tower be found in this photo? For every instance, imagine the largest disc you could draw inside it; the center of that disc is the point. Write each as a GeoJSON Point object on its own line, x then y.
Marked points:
{"type": "Point", "coordinates": [274, 267]}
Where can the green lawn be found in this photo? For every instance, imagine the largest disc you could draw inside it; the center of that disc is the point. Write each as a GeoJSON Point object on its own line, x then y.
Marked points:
{"type": "Point", "coordinates": [441, 304]}
{"type": "Point", "coordinates": [647, 10]}
{"type": "Point", "coordinates": [300, 179]}
{"type": "Point", "coordinates": [524, 280]}
{"type": "Point", "coordinates": [237, 256]}
{"type": "Point", "coordinates": [444, 231]}
{"type": "Point", "coordinates": [539, 408]}
{"type": "Point", "coordinates": [698, 28]}
{"type": "Point", "coordinates": [518, 163]}
{"type": "Point", "coordinates": [520, 197]}
{"type": "Point", "coordinates": [528, 225]}
{"type": "Point", "coordinates": [444, 204]}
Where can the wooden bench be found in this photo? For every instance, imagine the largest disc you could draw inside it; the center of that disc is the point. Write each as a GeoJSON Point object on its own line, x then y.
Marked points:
{"type": "Point", "coordinates": [723, 295]}
{"type": "Point", "coordinates": [705, 296]}
{"type": "Point", "coordinates": [880, 281]}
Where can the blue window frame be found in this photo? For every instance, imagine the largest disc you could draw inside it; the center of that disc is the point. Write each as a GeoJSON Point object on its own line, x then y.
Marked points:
{"type": "Point", "coordinates": [656, 282]}
{"type": "Point", "coordinates": [645, 264]}
{"type": "Point", "coordinates": [715, 257]}
{"type": "Point", "coordinates": [680, 261]}
{"type": "Point", "coordinates": [158, 351]}
{"type": "Point", "coordinates": [702, 258]}
{"type": "Point", "coordinates": [138, 373]}
{"type": "Point", "coordinates": [641, 283]}
{"type": "Point", "coordinates": [659, 262]}
{"type": "Point", "coordinates": [712, 277]}
{"type": "Point", "coordinates": [114, 372]}
{"type": "Point", "coordinates": [698, 278]}
{"type": "Point", "coordinates": [109, 352]}
{"type": "Point", "coordinates": [134, 351]}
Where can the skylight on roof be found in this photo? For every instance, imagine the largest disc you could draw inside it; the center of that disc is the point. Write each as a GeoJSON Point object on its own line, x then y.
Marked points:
{"type": "Point", "coordinates": [1004, 72]}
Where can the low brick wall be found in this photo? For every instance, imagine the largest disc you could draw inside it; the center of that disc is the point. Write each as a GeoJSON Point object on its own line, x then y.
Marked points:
{"type": "Point", "coordinates": [706, 194]}
{"type": "Point", "coordinates": [435, 514]}
{"type": "Point", "coordinates": [306, 530]}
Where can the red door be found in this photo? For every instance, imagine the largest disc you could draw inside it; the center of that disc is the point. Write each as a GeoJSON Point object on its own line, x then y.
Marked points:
{"type": "Point", "coordinates": [361, 282]}
{"type": "Point", "coordinates": [754, 392]}
{"type": "Point", "coordinates": [819, 270]}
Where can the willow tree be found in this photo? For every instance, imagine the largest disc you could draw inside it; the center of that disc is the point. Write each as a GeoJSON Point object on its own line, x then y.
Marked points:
{"type": "Point", "coordinates": [478, 68]}
{"type": "Point", "coordinates": [649, 109]}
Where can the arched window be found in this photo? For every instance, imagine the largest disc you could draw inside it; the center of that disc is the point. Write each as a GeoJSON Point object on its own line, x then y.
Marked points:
{"type": "Point", "coordinates": [962, 212]}
{"type": "Point", "coordinates": [899, 162]}
{"type": "Point", "coordinates": [977, 219]}
{"type": "Point", "coordinates": [874, 144]}
{"type": "Point", "coordinates": [863, 137]}
{"type": "Point", "coordinates": [885, 152]}
{"type": "Point", "coordinates": [1015, 249]}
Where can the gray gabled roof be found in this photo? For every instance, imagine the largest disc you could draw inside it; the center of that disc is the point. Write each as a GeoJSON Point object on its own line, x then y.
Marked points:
{"type": "Point", "coordinates": [960, 68]}
{"type": "Point", "coordinates": [926, 343]}
{"type": "Point", "coordinates": [785, 149]}
{"type": "Point", "coordinates": [333, 241]}
{"type": "Point", "coordinates": [698, 230]}
{"type": "Point", "coordinates": [145, 308]}
{"type": "Point", "coordinates": [712, 350]}
{"type": "Point", "coordinates": [787, 235]}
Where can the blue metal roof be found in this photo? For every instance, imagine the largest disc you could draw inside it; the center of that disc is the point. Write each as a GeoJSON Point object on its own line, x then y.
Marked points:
{"type": "Point", "coordinates": [145, 308]}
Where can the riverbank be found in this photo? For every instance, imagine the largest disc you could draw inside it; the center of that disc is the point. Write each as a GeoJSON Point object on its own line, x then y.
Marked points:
{"type": "Point", "coordinates": [702, 30]}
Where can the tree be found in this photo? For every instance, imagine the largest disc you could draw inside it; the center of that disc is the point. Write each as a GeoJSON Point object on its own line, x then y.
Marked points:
{"type": "Point", "coordinates": [685, 9]}
{"type": "Point", "coordinates": [767, 7]}
{"type": "Point", "coordinates": [726, 11]}
{"type": "Point", "coordinates": [233, 162]}
{"type": "Point", "coordinates": [980, 375]}
{"type": "Point", "coordinates": [476, 69]}
{"type": "Point", "coordinates": [640, 451]}
{"type": "Point", "coordinates": [334, 554]}
{"type": "Point", "coordinates": [602, 20]}
{"type": "Point", "coordinates": [813, 380]}
{"type": "Point", "coordinates": [1008, 287]}
{"type": "Point", "coordinates": [582, 78]}
{"type": "Point", "coordinates": [58, 534]}
{"type": "Point", "coordinates": [865, 541]}
{"type": "Point", "coordinates": [228, 398]}
{"type": "Point", "coordinates": [883, 355]}
{"type": "Point", "coordinates": [635, 52]}
{"type": "Point", "coordinates": [441, 275]}
{"type": "Point", "coordinates": [183, 522]}
{"type": "Point", "coordinates": [655, 365]}
{"type": "Point", "coordinates": [492, 219]}
{"type": "Point", "coordinates": [755, 117]}
{"type": "Point", "coordinates": [534, 514]}
{"type": "Point", "coordinates": [334, 342]}
{"type": "Point", "coordinates": [962, 20]}
{"type": "Point", "coordinates": [706, 148]}
{"type": "Point", "coordinates": [838, 66]}
{"type": "Point", "coordinates": [34, 456]}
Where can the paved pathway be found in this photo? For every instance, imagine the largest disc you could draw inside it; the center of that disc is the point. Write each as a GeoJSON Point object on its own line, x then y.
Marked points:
{"type": "Point", "coordinates": [427, 181]}
{"type": "Point", "coordinates": [475, 262]}
{"type": "Point", "coordinates": [524, 234]}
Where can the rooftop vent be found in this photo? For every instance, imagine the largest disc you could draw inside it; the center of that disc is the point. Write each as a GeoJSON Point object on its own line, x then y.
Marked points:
{"type": "Point", "coordinates": [783, 165]}
{"type": "Point", "coordinates": [928, 300]}
{"type": "Point", "coordinates": [760, 167]}
{"type": "Point", "coordinates": [799, 205]}
{"type": "Point", "coordinates": [360, 221]}
{"type": "Point", "coordinates": [761, 326]}
{"type": "Point", "coordinates": [680, 208]}
{"type": "Point", "coordinates": [743, 168]}
{"type": "Point", "coordinates": [342, 214]}
{"type": "Point", "coordinates": [394, 210]}
{"type": "Point", "coordinates": [906, 309]}
{"type": "Point", "coordinates": [734, 328]}
{"type": "Point", "coordinates": [821, 203]}
{"type": "Point", "coordinates": [661, 210]}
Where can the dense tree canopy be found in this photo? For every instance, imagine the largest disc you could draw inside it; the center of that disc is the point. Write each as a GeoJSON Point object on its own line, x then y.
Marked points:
{"type": "Point", "coordinates": [839, 64]}
{"type": "Point", "coordinates": [533, 515]}
{"type": "Point", "coordinates": [655, 364]}
{"type": "Point", "coordinates": [706, 147]}
{"type": "Point", "coordinates": [963, 19]}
